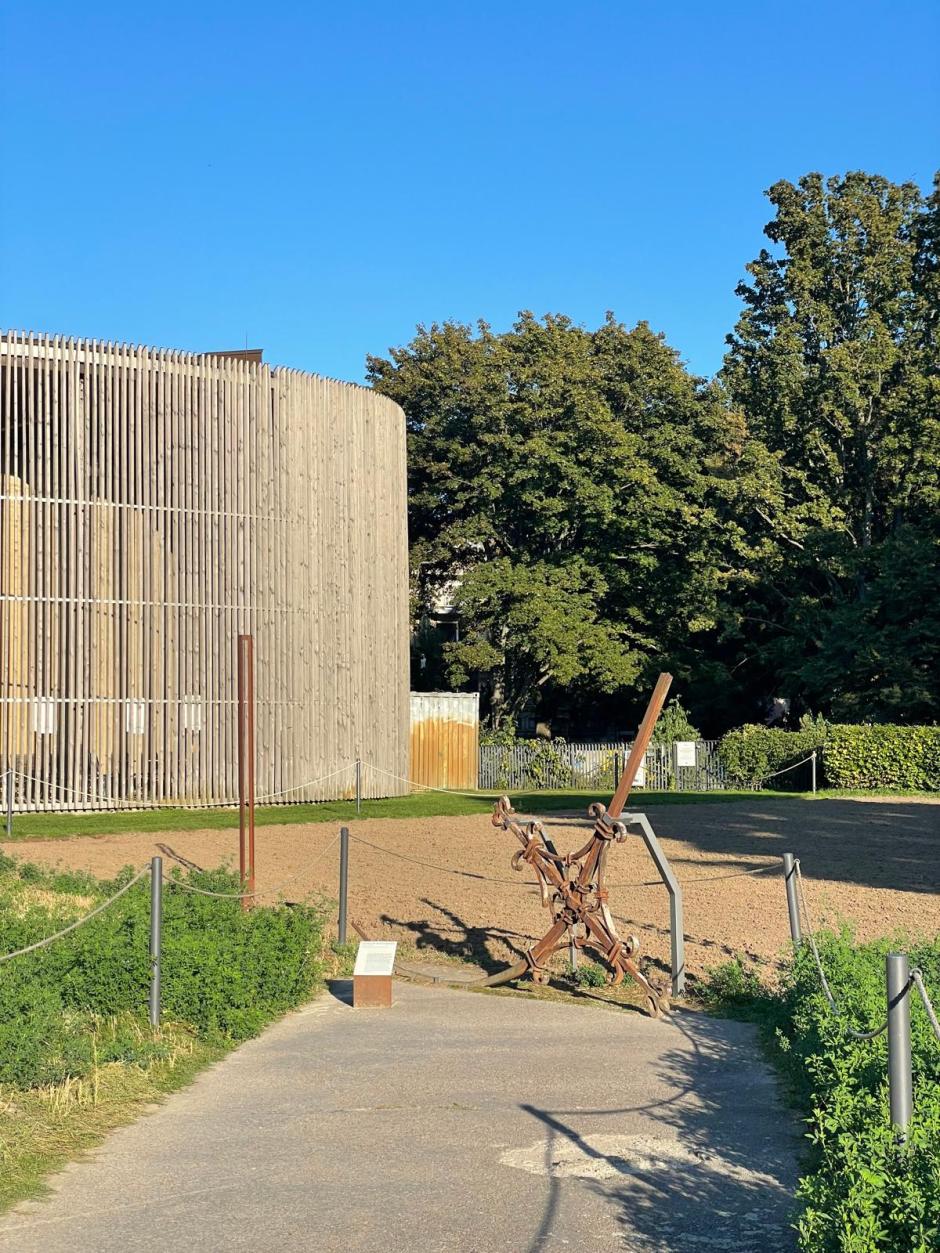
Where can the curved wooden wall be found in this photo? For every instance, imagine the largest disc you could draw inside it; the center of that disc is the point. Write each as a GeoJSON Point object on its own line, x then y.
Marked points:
{"type": "Point", "coordinates": [154, 504]}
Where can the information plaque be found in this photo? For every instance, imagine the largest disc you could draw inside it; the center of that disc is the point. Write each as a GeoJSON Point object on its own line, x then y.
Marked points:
{"type": "Point", "coordinates": [372, 974]}
{"type": "Point", "coordinates": [685, 753]}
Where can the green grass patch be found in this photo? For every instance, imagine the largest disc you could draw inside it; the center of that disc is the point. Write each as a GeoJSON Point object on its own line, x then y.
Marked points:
{"type": "Point", "coordinates": [862, 1190]}
{"type": "Point", "coordinates": [419, 805]}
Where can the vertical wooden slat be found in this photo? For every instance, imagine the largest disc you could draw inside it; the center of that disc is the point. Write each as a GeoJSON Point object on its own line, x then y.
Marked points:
{"type": "Point", "coordinates": [152, 505]}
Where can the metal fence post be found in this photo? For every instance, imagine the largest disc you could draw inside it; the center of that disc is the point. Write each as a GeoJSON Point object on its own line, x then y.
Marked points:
{"type": "Point", "coordinates": [814, 772]}
{"type": "Point", "coordinates": [156, 929]}
{"type": "Point", "coordinates": [358, 786]}
{"type": "Point", "coordinates": [343, 880]}
{"type": "Point", "coordinates": [616, 770]}
{"type": "Point", "coordinates": [898, 980]}
{"type": "Point", "coordinates": [793, 908]}
{"type": "Point", "coordinates": [10, 777]}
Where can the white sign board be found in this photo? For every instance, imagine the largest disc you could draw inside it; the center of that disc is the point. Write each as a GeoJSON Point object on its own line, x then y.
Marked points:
{"type": "Point", "coordinates": [135, 717]}
{"type": "Point", "coordinates": [639, 779]}
{"type": "Point", "coordinates": [43, 715]}
{"type": "Point", "coordinates": [192, 713]}
{"type": "Point", "coordinates": [685, 753]}
{"type": "Point", "coordinates": [375, 957]}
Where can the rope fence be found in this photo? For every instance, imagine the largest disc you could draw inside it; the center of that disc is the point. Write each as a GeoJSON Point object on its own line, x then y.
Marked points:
{"type": "Point", "coordinates": [96, 800]}
{"type": "Point", "coordinates": [73, 926]}
{"type": "Point", "coordinates": [900, 980]}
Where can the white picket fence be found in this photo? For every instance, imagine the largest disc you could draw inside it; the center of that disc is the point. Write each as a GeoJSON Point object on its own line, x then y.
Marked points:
{"type": "Point", "coordinates": [558, 764]}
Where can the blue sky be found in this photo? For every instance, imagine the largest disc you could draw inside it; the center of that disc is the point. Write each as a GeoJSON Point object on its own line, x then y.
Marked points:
{"type": "Point", "coordinates": [320, 178]}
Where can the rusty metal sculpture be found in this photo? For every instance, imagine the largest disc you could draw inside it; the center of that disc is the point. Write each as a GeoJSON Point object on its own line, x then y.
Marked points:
{"type": "Point", "coordinates": [572, 884]}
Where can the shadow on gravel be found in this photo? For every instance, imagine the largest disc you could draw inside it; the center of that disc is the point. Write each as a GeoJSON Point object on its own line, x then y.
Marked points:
{"type": "Point", "coordinates": [455, 938]}
{"type": "Point", "coordinates": [879, 844]}
{"type": "Point", "coordinates": [721, 1174]}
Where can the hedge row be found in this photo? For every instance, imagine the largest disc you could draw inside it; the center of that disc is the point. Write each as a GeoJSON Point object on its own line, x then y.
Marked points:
{"type": "Point", "coordinates": [752, 753]}
{"type": "Point", "coordinates": [881, 758]}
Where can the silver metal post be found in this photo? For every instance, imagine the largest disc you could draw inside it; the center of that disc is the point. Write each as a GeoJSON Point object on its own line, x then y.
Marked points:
{"type": "Point", "coordinates": [156, 928]}
{"type": "Point", "coordinates": [358, 786]}
{"type": "Point", "coordinates": [343, 880]}
{"type": "Point", "coordinates": [814, 772]}
{"type": "Point", "coordinates": [10, 777]}
{"type": "Point", "coordinates": [900, 1084]}
{"type": "Point", "coordinates": [793, 906]}
{"type": "Point", "coordinates": [676, 925]}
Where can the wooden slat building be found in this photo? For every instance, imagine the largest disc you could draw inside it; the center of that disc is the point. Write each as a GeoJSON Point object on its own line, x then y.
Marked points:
{"type": "Point", "coordinates": [153, 505]}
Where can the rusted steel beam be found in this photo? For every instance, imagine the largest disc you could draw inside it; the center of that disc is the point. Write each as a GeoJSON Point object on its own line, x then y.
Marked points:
{"type": "Point", "coordinates": [640, 745]}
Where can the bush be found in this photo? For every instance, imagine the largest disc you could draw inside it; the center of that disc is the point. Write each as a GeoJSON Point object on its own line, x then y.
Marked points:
{"type": "Point", "coordinates": [864, 1192]}
{"type": "Point", "coordinates": [883, 757]}
{"type": "Point", "coordinates": [674, 724]}
{"type": "Point", "coordinates": [752, 753]}
{"type": "Point", "coordinates": [226, 972]}
{"type": "Point", "coordinates": [589, 974]}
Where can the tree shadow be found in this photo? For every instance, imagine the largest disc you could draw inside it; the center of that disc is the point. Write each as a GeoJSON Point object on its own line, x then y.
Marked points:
{"type": "Point", "coordinates": [711, 1167]}
{"type": "Point", "coordinates": [878, 844]}
{"type": "Point", "coordinates": [460, 939]}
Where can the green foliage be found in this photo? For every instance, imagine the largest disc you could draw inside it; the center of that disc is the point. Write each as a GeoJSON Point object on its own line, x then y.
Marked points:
{"type": "Point", "coordinates": [580, 491]}
{"type": "Point", "coordinates": [503, 736]}
{"type": "Point", "coordinates": [730, 986]}
{"type": "Point", "coordinates": [226, 972]}
{"type": "Point", "coordinates": [884, 757]}
{"type": "Point", "coordinates": [752, 753]}
{"type": "Point", "coordinates": [834, 365]}
{"type": "Point", "coordinates": [863, 1191]}
{"type": "Point", "coordinates": [589, 975]}
{"type": "Point", "coordinates": [674, 724]}
{"type": "Point", "coordinates": [547, 764]}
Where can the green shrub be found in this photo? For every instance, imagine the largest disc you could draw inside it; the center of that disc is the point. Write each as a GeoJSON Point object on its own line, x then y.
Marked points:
{"type": "Point", "coordinates": [674, 724]}
{"type": "Point", "coordinates": [752, 753]}
{"type": "Point", "coordinates": [730, 986]}
{"type": "Point", "coordinates": [226, 972]}
{"type": "Point", "coordinates": [883, 757]}
{"type": "Point", "coordinates": [863, 1192]}
{"type": "Point", "coordinates": [589, 975]}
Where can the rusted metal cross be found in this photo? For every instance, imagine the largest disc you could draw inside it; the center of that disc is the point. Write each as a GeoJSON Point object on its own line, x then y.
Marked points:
{"type": "Point", "coordinates": [572, 884]}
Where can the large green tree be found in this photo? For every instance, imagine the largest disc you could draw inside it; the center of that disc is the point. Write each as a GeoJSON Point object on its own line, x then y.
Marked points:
{"type": "Point", "coordinates": [582, 497]}
{"type": "Point", "coordinates": [834, 365]}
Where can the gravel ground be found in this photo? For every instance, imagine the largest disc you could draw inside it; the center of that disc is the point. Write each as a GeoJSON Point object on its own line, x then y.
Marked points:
{"type": "Point", "coordinates": [873, 863]}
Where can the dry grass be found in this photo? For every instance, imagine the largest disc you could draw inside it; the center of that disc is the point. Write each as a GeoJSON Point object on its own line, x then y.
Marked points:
{"type": "Point", "coordinates": [43, 1128]}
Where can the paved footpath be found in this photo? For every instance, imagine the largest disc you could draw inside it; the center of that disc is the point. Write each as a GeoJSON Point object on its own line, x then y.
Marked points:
{"type": "Point", "coordinates": [453, 1123]}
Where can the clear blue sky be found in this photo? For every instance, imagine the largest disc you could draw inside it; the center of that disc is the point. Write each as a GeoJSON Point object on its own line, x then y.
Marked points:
{"type": "Point", "coordinates": [322, 177]}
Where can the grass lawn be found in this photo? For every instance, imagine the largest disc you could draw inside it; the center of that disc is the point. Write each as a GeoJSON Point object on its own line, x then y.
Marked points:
{"type": "Point", "coordinates": [417, 805]}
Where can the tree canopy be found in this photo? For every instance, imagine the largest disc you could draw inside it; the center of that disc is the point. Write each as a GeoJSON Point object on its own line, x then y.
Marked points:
{"type": "Point", "coordinates": [598, 513]}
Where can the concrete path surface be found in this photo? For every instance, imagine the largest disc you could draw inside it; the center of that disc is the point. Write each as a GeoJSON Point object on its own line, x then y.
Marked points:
{"type": "Point", "coordinates": [453, 1122]}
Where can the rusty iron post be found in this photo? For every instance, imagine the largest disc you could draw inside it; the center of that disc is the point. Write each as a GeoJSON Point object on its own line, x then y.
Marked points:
{"type": "Point", "coordinates": [246, 766]}
{"type": "Point", "coordinates": [640, 745]}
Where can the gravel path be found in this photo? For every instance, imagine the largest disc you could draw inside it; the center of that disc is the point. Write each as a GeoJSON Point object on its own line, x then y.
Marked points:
{"type": "Point", "coordinates": [452, 1123]}
{"type": "Point", "coordinates": [873, 863]}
